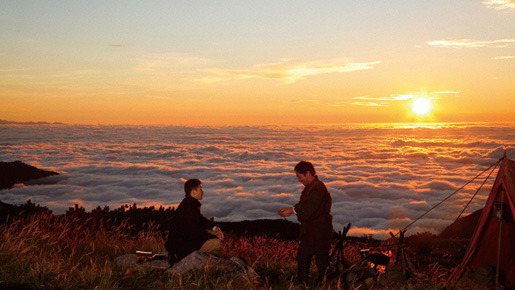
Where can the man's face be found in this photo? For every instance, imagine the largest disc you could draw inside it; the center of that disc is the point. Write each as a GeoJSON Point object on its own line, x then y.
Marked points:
{"type": "Point", "coordinates": [197, 193]}
{"type": "Point", "coordinates": [305, 179]}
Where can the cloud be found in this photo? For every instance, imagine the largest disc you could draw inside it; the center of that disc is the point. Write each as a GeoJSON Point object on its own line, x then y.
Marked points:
{"type": "Point", "coordinates": [384, 101]}
{"type": "Point", "coordinates": [370, 104]}
{"type": "Point", "coordinates": [301, 101]}
{"type": "Point", "coordinates": [500, 4]}
{"type": "Point", "coordinates": [503, 57]}
{"type": "Point", "coordinates": [208, 80]}
{"type": "Point", "coordinates": [380, 178]}
{"type": "Point", "coordinates": [468, 43]}
{"type": "Point", "coordinates": [292, 70]}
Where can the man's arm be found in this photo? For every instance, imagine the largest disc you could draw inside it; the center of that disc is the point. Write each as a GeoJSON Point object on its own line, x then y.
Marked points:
{"type": "Point", "coordinates": [211, 228]}
{"type": "Point", "coordinates": [207, 224]}
{"type": "Point", "coordinates": [306, 210]}
{"type": "Point", "coordinates": [217, 232]}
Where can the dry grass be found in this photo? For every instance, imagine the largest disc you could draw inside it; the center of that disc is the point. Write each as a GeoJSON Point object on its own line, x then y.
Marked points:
{"type": "Point", "coordinates": [47, 251]}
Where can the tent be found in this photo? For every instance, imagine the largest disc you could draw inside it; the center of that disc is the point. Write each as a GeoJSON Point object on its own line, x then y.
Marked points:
{"type": "Point", "coordinates": [493, 241]}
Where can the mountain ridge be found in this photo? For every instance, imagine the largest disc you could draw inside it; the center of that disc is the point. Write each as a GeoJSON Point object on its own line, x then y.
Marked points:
{"type": "Point", "coordinates": [15, 172]}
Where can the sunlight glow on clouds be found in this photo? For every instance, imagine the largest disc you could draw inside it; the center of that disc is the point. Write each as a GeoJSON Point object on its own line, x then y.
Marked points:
{"type": "Point", "coordinates": [370, 104]}
{"type": "Point", "coordinates": [468, 43]}
{"type": "Point", "coordinates": [380, 177]}
{"type": "Point", "coordinates": [500, 4]}
{"type": "Point", "coordinates": [385, 101]}
{"type": "Point", "coordinates": [292, 70]}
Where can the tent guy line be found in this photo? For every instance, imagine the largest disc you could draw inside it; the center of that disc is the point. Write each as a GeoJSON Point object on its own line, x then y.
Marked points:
{"type": "Point", "coordinates": [456, 191]}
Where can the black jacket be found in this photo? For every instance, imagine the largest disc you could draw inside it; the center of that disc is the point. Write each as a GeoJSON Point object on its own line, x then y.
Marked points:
{"type": "Point", "coordinates": [314, 215]}
{"type": "Point", "coordinates": [187, 231]}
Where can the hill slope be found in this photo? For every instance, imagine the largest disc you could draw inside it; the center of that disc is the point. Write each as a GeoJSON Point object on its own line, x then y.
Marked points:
{"type": "Point", "coordinates": [463, 227]}
{"type": "Point", "coordinates": [15, 172]}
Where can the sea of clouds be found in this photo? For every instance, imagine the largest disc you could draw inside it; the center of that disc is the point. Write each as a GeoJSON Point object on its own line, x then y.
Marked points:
{"type": "Point", "coordinates": [381, 177]}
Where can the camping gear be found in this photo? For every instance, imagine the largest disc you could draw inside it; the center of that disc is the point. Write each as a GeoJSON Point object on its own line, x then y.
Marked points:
{"type": "Point", "coordinates": [493, 241]}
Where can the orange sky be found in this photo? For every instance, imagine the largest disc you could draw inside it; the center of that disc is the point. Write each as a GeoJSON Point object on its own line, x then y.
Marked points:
{"type": "Point", "coordinates": [246, 63]}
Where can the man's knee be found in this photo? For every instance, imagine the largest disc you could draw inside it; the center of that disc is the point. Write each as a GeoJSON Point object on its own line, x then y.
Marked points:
{"type": "Point", "coordinates": [212, 246]}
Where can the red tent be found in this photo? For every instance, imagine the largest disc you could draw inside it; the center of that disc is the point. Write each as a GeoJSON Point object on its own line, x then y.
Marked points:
{"type": "Point", "coordinates": [493, 242]}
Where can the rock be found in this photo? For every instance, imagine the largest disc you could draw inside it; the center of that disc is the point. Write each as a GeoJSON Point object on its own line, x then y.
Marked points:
{"type": "Point", "coordinates": [130, 261]}
{"type": "Point", "coordinates": [200, 260]}
{"type": "Point", "coordinates": [369, 282]}
{"type": "Point", "coordinates": [194, 261]}
{"type": "Point", "coordinates": [392, 277]}
{"type": "Point", "coordinates": [483, 274]}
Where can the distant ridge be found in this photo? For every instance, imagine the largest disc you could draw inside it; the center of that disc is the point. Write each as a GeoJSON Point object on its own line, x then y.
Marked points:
{"type": "Point", "coordinates": [15, 172]}
{"type": "Point", "coordinates": [462, 228]}
{"type": "Point", "coordinates": [279, 228]}
{"type": "Point", "coordinates": [6, 122]}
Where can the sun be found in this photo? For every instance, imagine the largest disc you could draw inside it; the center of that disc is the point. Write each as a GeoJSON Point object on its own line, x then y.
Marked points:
{"type": "Point", "coordinates": [421, 106]}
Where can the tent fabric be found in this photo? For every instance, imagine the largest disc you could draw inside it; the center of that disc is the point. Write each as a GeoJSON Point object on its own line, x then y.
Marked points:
{"type": "Point", "coordinates": [483, 246]}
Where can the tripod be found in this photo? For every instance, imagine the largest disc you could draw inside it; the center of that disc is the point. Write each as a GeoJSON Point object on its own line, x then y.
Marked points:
{"type": "Point", "coordinates": [338, 250]}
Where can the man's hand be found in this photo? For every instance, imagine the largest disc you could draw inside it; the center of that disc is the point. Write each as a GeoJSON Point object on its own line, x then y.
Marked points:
{"type": "Point", "coordinates": [285, 211]}
{"type": "Point", "coordinates": [218, 233]}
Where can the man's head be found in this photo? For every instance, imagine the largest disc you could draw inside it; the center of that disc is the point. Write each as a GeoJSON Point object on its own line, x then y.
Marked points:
{"type": "Point", "coordinates": [305, 172]}
{"type": "Point", "coordinates": [193, 188]}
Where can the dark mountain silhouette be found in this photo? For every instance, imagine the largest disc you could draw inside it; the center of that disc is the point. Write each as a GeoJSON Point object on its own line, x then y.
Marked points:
{"type": "Point", "coordinates": [15, 172]}
{"type": "Point", "coordinates": [280, 228]}
{"type": "Point", "coordinates": [140, 218]}
{"type": "Point", "coordinates": [24, 210]}
{"type": "Point", "coordinates": [462, 228]}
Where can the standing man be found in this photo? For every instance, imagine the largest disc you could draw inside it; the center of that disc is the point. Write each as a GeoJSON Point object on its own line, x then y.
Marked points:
{"type": "Point", "coordinates": [189, 229]}
{"type": "Point", "coordinates": [316, 222]}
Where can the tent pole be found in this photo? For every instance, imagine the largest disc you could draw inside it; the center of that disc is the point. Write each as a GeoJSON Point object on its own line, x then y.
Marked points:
{"type": "Point", "coordinates": [499, 246]}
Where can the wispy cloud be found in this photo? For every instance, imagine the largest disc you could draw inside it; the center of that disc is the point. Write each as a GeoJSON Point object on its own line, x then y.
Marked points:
{"type": "Point", "coordinates": [370, 104]}
{"type": "Point", "coordinates": [469, 43]}
{"type": "Point", "coordinates": [503, 57]}
{"type": "Point", "coordinates": [293, 70]}
{"type": "Point", "coordinates": [384, 101]}
{"type": "Point", "coordinates": [300, 101]}
{"type": "Point", "coordinates": [446, 93]}
{"type": "Point", "coordinates": [208, 80]}
{"type": "Point", "coordinates": [500, 4]}
{"type": "Point", "coordinates": [390, 98]}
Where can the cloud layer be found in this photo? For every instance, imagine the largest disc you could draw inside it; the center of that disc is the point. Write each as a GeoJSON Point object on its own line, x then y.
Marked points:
{"type": "Point", "coordinates": [380, 177]}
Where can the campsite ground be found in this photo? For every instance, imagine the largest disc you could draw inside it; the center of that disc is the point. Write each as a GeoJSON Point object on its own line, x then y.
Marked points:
{"type": "Point", "coordinates": [48, 252]}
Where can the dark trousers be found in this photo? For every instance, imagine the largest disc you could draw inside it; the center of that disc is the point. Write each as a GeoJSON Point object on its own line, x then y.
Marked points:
{"type": "Point", "coordinates": [304, 255]}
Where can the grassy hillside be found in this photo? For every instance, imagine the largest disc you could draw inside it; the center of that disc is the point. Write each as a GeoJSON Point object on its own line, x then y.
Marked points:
{"type": "Point", "coordinates": [67, 252]}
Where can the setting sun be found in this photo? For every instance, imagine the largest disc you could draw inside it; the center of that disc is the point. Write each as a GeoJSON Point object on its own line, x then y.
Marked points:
{"type": "Point", "coordinates": [421, 106]}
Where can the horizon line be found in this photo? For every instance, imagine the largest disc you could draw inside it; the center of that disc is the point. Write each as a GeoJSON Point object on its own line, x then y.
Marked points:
{"type": "Point", "coordinates": [417, 124]}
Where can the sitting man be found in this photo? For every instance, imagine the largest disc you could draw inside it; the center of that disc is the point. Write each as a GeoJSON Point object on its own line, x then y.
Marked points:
{"type": "Point", "coordinates": [189, 229]}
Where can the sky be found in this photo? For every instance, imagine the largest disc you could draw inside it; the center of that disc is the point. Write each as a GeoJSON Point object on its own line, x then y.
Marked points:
{"type": "Point", "coordinates": [256, 62]}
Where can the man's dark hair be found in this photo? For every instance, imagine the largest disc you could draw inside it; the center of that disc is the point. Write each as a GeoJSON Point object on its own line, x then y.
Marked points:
{"type": "Point", "coordinates": [190, 185]}
{"type": "Point", "coordinates": [304, 166]}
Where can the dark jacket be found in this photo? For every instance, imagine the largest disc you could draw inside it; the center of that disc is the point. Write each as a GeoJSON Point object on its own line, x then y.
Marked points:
{"type": "Point", "coordinates": [314, 214]}
{"type": "Point", "coordinates": [187, 231]}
